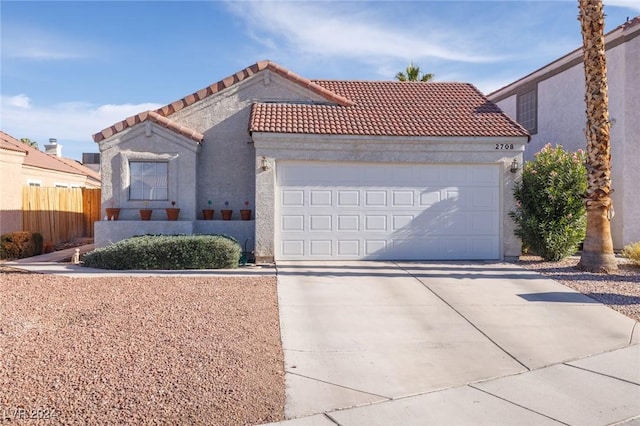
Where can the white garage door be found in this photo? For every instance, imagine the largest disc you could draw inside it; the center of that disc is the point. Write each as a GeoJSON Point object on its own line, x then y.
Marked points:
{"type": "Point", "coordinates": [330, 211]}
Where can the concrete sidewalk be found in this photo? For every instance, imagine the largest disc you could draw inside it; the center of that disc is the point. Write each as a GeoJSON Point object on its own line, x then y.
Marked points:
{"type": "Point", "coordinates": [380, 343]}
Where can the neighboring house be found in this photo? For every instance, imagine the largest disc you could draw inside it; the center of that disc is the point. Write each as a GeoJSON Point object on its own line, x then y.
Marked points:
{"type": "Point", "coordinates": [332, 169]}
{"type": "Point", "coordinates": [22, 165]}
{"type": "Point", "coordinates": [550, 104]}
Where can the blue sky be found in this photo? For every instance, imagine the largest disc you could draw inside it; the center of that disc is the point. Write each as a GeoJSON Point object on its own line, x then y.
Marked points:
{"type": "Point", "coordinates": [70, 69]}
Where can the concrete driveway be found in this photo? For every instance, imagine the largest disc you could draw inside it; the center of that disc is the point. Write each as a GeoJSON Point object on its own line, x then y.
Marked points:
{"type": "Point", "coordinates": [450, 343]}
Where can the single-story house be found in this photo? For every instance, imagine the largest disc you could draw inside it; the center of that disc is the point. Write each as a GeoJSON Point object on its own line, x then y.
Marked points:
{"type": "Point", "coordinates": [332, 169]}
{"type": "Point", "coordinates": [550, 104]}
{"type": "Point", "coordinates": [21, 165]}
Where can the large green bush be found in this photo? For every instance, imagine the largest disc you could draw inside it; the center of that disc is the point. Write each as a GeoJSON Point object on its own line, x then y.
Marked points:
{"type": "Point", "coordinates": [550, 214]}
{"type": "Point", "coordinates": [18, 245]}
{"type": "Point", "coordinates": [167, 252]}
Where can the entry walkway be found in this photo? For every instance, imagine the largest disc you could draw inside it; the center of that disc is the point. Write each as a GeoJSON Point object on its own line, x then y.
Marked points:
{"type": "Point", "coordinates": [382, 343]}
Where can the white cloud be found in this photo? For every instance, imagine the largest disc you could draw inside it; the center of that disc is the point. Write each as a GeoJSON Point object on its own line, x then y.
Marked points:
{"type": "Point", "coordinates": [72, 123]}
{"type": "Point", "coordinates": [26, 42]}
{"type": "Point", "coordinates": [343, 30]}
{"type": "Point", "coordinates": [631, 4]}
{"type": "Point", "coordinates": [18, 101]}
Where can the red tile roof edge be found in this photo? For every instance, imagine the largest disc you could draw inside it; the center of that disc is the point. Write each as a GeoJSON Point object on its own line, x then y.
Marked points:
{"type": "Point", "coordinates": [6, 146]}
{"type": "Point", "coordinates": [149, 116]}
{"type": "Point", "coordinates": [507, 116]}
{"type": "Point", "coordinates": [90, 173]}
{"type": "Point", "coordinates": [37, 158]}
{"type": "Point", "coordinates": [225, 83]}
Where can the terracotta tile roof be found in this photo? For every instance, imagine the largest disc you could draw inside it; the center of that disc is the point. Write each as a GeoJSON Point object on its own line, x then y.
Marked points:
{"type": "Point", "coordinates": [81, 168]}
{"type": "Point", "coordinates": [39, 159]}
{"type": "Point", "coordinates": [7, 146]}
{"type": "Point", "coordinates": [630, 23]}
{"type": "Point", "coordinates": [148, 116]}
{"type": "Point", "coordinates": [214, 88]}
{"type": "Point", "coordinates": [390, 108]}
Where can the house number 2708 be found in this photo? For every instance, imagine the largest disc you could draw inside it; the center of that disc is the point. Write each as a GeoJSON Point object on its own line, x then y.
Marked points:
{"type": "Point", "coordinates": [504, 146]}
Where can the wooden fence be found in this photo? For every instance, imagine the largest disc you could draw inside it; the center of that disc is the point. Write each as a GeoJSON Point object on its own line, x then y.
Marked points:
{"type": "Point", "coordinates": [60, 214]}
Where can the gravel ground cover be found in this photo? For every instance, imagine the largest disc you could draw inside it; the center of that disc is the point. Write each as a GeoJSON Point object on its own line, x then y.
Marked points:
{"type": "Point", "coordinates": [170, 350]}
{"type": "Point", "coordinates": [620, 291]}
{"type": "Point", "coordinates": [173, 350]}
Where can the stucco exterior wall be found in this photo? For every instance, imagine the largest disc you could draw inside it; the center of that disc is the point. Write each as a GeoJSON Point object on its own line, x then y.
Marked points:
{"type": "Point", "coordinates": [225, 164]}
{"type": "Point", "coordinates": [630, 155]}
{"type": "Point", "coordinates": [11, 191]}
{"type": "Point", "coordinates": [150, 142]}
{"type": "Point", "coordinates": [109, 232]}
{"type": "Point", "coordinates": [222, 169]}
{"type": "Point", "coordinates": [562, 121]}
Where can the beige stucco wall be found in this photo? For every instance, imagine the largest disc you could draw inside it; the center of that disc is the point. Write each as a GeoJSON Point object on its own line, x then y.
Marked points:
{"type": "Point", "coordinates": [562, 120]}
{"type": "Point", "coordinates": [14, 176]}
{"type": "Point", "coordinates": [225, 164]}
{"type": "Point", "coordinates": [149, 141]}
{"type": "Point", "coordinates": [11, 191]}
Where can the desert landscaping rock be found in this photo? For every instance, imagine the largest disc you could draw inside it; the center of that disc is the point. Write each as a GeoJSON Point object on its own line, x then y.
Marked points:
{"type": "Point", "coordinates": [179, 350]}
{"type": "Point", "coordinates": [173, 350]}
{"type": "Point", "coordinates": [619, 291]}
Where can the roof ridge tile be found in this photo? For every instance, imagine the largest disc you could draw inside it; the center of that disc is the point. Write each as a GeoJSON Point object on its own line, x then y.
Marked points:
{"type": "Point", "coordinates": [225, 83]}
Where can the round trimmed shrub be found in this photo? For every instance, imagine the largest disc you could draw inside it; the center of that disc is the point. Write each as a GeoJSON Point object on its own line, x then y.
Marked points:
{"type": "Point", "coordinates": [168, 252]}
{"type": "Point", "coordinates": [550, 214]}
{"type": "Point", "coordinates": [18, 245]}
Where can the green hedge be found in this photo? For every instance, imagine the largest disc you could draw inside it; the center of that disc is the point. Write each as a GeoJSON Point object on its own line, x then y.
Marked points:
{"type": "Point", "coordinates": [167, 252]}
{"type": "Point", "coordinates": [18, 245]}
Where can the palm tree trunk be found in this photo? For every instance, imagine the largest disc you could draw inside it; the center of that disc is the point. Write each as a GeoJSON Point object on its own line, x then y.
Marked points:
{"type": "Point", "coordinates": [597, 254]}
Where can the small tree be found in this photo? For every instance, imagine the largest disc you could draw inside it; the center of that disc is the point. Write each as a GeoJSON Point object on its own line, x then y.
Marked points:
{"type": "Point", "coordinates": [550, 213]}
{"type": "Point", "coordinates": [413, 74]}
{"type": "Point", "coordinates": [29, 142]}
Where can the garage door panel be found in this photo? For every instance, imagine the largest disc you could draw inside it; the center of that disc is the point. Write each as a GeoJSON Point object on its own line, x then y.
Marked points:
{"type": "Point", "coordinates": [349, 248]}
{"type": "Point", "coordinates": [292, 223]}
{"type": "Point", "coordinates": [402, 198]}
{"type": "Point", "coordinates": [320, 198]}
{"type": "Point", "coordinates": [320, 223]}
{"type": "Point", "coordinates": [348, 198]}
{"type": "Point", "coordinates": [374, 211]}
{"type": "Point", "coordinates": [375, 198]}
{"type": "Point", "coordinates": [484, 199]}
{"type": "Point", "coordinates": [401, 222]}
{"type": "Point", "coordinates": [293, 198]}
{"type": "Point", "coordinates": [320, 248]}
{"type": "Point", "coordinates": [375, 223]}
{"type": "Point", "coordinates": [293, 248]}
{"type": "Point", "coordinates": [430, 197]}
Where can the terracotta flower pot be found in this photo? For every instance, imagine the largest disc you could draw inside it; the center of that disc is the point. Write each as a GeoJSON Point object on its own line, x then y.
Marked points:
{"type": "Point", "coordinates": [145, 214]}
{"type": "Point", "coordinates": [245, 214]}
{"type": "Point", "coordinates": [113, 213]}
{"type": "Point", "coordinates": [208, 214]}
{"type": "Point", "coordinates": [172, 213]}
{"type": "Point", "coordinates": [226, 214]}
